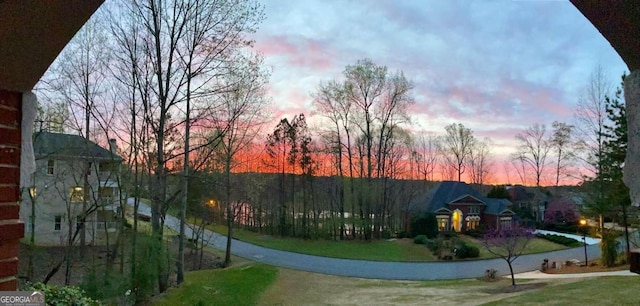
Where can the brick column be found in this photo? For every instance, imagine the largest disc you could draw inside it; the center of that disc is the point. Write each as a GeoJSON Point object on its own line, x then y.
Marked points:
{"type": "Point", "coordinates": [11, 228]}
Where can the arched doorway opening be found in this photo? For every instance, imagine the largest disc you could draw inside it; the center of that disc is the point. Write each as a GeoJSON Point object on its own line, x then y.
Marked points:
{"type": "Point", "coordinates": [457, 220]}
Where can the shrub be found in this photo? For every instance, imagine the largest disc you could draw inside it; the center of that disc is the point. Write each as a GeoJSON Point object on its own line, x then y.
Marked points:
{"type": "Point", "coordinates": [151, 256]}
{"type": "Point", "coordinates": [473, 233]}
{"type": "Point", "coordinates": [566, 241]}
{"type": "Point", "coordinates": [449, 235]}
{"type": "Point", "coordinates": [622, 258]}
{"type": "Point", "coordinates": [420, 239]}
{"type": "Point", "coordinates": [609, 247]}
{"type": "Point", "coordinates": [67, 295]}
{"type": "Point", "coordinates": [402, 234]}
{"type": "Point", "coordinates": [491, 275]}
{"type": "Point", "coordinates": [432, 245]}
{"type": "Point", "coordinates": [473, 251]}
{"type": "Point", "coordinates": [102, 284]}
{"type": "Point", "coordinates": [464, 250]}
{"type": "Point", "coordinates": [424, 224]}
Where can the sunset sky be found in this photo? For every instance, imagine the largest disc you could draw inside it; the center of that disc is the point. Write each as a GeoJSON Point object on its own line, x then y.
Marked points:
{"type": "Point", "coordinates": [495, 66]}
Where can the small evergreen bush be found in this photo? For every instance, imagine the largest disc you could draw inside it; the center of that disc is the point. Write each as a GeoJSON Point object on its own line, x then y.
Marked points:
{"type": "Point", "coordinates": [464, 250]}
{"type": "Point", "coordinates": [432, 245]}
{"type": "Point", "coordinates": [420, 239]}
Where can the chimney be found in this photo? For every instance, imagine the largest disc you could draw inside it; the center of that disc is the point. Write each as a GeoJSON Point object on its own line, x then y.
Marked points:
{"type": "Point", "coordinates": [112, 146]}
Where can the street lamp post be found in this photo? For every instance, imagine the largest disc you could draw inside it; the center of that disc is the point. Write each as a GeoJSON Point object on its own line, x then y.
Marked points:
{"type": "Point", "coordinates": [583, 226]}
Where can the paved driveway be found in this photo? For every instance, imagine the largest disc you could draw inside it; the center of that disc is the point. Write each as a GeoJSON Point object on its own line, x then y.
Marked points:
{"type": "Point", "coordinates": [386, 270]}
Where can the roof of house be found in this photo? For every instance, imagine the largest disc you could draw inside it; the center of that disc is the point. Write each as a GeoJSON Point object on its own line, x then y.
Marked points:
{"type": "Point", "coordinates": [67, 145]}
{"type": "Point", "coordinates": [448, 192]}
{"type": "Point", "coordinates": [519, 193]}
{"type": "Point", "coordinates": [497, 206]}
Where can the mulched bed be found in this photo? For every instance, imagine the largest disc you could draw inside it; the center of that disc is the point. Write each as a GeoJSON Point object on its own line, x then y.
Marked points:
{"type": "Point", "coordinates": [593, 267]}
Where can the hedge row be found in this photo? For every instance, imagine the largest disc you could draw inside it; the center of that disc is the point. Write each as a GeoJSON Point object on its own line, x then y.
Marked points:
{"type": "Point", "coordinates": [570, 242]}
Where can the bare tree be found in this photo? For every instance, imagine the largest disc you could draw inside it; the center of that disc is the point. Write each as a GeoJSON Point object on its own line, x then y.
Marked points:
{"type": "Point", "coordinates": [188, 45]}
{"type": "Point", "coordinates": [78, 79]}
{"type": "Point", "coordinates": [480, 163]}
{"type": "Point", "coordinates": [331, 102]}
{"type": "Point", "coordinates": [427, 151]}
{"type": "Point", "coordinates": [561, 143]}
{"type": "Point", "coordinates": [457, 146]}
{"type": "Point", "coordinates": [508, 244]}
{"type": "Point", "coordinates": [380, 101]}
{"type": "Point", "coordinates": [591, 119]}
{"type": "Point", "coordinates": [242, 115]}
{"type": "Point", "coordinates": [533, 149]}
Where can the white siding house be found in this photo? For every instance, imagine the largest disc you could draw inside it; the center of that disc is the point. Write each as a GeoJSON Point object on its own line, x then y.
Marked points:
{"type": "Point", "coordinates": [59, 198]}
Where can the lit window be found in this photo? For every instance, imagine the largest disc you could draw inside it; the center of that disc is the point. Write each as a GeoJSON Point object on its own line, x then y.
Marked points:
{"type": "Point", "coordinates": [50, 166]}
{"type": "Point", "coordinates": [77, 194]}
{"type": "Point", "coordinates": [32, 192]}
{"type": "Point", "coordinates": [472, 224]}
{"type": "Point", "coordinates": [443, 223]}
{"type": "Point", "coordinates": [57, 225]}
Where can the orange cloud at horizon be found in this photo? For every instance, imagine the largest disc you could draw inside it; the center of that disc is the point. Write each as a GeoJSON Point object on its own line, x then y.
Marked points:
{"type": "Point", "coordinates": [255, 159]}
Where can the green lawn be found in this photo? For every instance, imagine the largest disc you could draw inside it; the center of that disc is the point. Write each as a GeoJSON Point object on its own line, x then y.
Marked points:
{"type": "Point", "coordinates": [241, 285]}
{"type": "Point", "coordinates": [381, 250]}
{"type": "Point", "coordinates": [614, 290]}
{"type": "Point", "coordinates": [535, 245]}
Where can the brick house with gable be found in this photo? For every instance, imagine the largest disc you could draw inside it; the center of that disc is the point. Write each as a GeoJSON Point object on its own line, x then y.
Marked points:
{"type": "Point", "coordinates": [459, 207]}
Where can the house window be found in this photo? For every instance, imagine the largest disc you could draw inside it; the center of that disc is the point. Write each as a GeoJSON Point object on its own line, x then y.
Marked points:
{"type": "Point", "coordinates": [32, 192]}
{"type": "Point", "coordinates": [505, 223]}
{"type": "Point", "coordinates": [107, 194]}
{"type": "Point", "coordinates": [443, 223]}
{"type": "Point", "coordinates": [77, 194]}
{"type": "Point", "coordinates": [89, 169]}
{"type": "Point", "coordinates": [472, 224]}
{"type": "Point", "coordinates": [57, 223]}
{"type": "Point", "coordinates": [51, 166]}
{"type": "Point", "coordinates": [474, 210]}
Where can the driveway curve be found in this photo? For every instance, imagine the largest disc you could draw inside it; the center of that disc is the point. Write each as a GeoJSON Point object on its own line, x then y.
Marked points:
{"type": "Point", "coordinates": [386, 270]}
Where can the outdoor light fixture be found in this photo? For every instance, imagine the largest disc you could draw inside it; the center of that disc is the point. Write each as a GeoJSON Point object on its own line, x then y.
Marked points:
{"type": "Point", "coordinates": [583, 225]}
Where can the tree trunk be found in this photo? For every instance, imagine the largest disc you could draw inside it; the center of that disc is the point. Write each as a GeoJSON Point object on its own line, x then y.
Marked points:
{"type": "Point", "coordinates": [513, 279]}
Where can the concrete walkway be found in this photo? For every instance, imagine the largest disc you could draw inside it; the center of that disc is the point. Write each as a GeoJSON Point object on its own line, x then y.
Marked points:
{"type": "Point", "coordinates": [385, 270]}
{"type": "Point", "coordinates": [539, 275]}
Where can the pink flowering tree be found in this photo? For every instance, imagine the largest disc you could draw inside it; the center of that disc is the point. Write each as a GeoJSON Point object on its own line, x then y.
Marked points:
{"type": "Point", "coordinates": [561, 211]}
{"type": "Point", "coordinates": [508, 243]}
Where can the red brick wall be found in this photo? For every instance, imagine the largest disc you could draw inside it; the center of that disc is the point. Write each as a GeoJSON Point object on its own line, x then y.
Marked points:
{"type": "Point", "coordinates": [11, 229]}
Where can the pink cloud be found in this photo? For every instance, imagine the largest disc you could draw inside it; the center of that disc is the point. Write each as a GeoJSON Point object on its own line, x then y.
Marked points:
{"type": "Point", "coordinates": [298, 51]}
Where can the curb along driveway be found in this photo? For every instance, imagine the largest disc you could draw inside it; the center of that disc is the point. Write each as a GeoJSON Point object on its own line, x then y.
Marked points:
{"type": "Point", "coordinates": [386, 270]}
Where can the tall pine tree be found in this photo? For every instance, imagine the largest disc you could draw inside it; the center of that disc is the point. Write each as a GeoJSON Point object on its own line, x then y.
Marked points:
{"type": "Point", "coordinates": [614, 153]}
